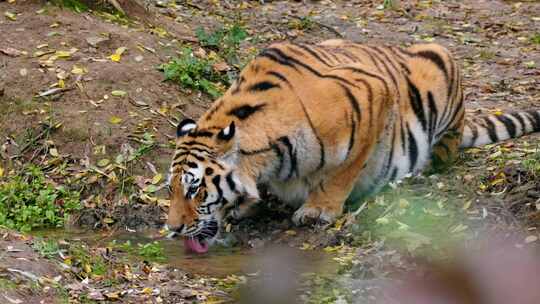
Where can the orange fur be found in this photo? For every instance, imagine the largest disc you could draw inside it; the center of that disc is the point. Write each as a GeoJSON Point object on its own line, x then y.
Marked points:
{"type": "Point", "coordinates": [322, 123]}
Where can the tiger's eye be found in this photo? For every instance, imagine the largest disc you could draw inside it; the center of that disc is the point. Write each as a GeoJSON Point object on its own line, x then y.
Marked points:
{"type": "Point", "coordinates": [209, 171]}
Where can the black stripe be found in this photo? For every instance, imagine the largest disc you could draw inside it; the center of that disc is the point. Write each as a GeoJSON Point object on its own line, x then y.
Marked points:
{"type": "Point", "coordinates": [279, 76]}
{"type": "Point", "coordinates": [402, 61]}
{"type": "Point", "coordinates": [394, 174]}
{"type": "Point", "coordinates": [490, 127]}
{"type": "Point", "coordinates": [230, 182]}
{"type": "Point", "coordinates": [435, 58]}
{"type": "Point", "coordinates": [509, 124]}
{"type": "Point", "coordinates": [371, 56]}
{"type": "Point", "coordinates": [458, 109]}
{"type": "Point", "coordinates": [192, 165]}
{"type": "Point", "coordinates": [280, 57]}
{"type": "Point", "coordinates": [263, 86]}
{"type": "Point", "coordinates": [313, 53]}
{"type": "Point", "coordinates": [279, 155]}
{"type": "Point", "coordinates": [391, 155]}
{"type": "Point", "coordinates": [214, 162]}
{"type": "Point", "coordinates": [413, 149]}
{"type": "Point", "coordinates": [244, 111]}
{"type": "Point", "coordinates": [350, 56]}
{"type": "Point", "coordinates": [520, 120]}
{"type": "Point", "coordinates": [391, 73]}
{"type": "Point", "coordinates": [322, 160]}
{"type": "Point", "coordinates": [193, 142]}
{"type": "Point", "coordinates": [353, 101]}
{"type": "Point", "coordinates": [213, 109]}
{"type": "Point", "coordinates": [416, 102]}
{"type": "Point", "coordinates": [215, 180]}
{"type": "Point", "coordinates": [353, 134]}
{"type": "Point", "coordinates": [201, 134]}
{"type": "Point", "coordinates": [402, 136]}
{"type": "Point", "coordinates": [433, 116]}
{"type": "Point", "coordinates": [239, 82]}
{"type": "Point", "coordinates": [292, 155]}
{"type": "Point", "coordinates": [535, 120]}
{"type": "Point", "coordinates": [257, 151]}
{"type": "Point", "coordinates": [197, 157]}
{"type": "Point", "coordinates": [360, 71]}
{"type": "Point", "coordinates": [474, 130]}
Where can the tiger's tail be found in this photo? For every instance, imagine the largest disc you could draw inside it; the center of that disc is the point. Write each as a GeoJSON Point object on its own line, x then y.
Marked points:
{"type": "Point", "coordinates": [487, 129]}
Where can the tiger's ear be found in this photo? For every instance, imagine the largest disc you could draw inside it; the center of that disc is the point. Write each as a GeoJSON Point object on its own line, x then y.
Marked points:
{"type": "Point", "coordinates": [227, 133]}
{"type": "Point", "coordinates": [185, 126]}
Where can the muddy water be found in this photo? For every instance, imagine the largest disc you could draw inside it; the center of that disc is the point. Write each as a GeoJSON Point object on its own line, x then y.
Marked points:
{"type": "Point", "coordinates": [218, 262]}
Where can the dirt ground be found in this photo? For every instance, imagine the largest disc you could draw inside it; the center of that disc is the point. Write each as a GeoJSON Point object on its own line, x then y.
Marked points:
{"type": "Point", "coordinates": [94, 109]}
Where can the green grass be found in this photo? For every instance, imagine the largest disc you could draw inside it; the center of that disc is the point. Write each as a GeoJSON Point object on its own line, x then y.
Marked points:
{"type": "Point", "coordinates": [74, 5]}
{"type": "Point", "coordinates": [46, 248]}
{"type": "Point", "coordinates": [225, 40]}
{"type": "Point", "coordinates": [417, 221]}
{"type": "Point", "coordinates": [302, 23]}
{"type": "Point", "coordinates": [6, 284]}
{"type": "Point", "coordinates": [90, 264]}
{"type": "Point", "coordinates": [151, 251]}
{"type": "Point", "coordinates": [194, 73]}
{"type": "Point", "coordinates": [29, 201]}
{"type": "Point", "coordinates": [536, 38]}
{"type": "Point", "coordinates": [197, 72]}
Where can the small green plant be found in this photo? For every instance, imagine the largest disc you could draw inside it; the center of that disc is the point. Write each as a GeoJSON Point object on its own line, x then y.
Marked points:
{"type": "Point", "coordinates": [302, 23]}
{"type": "Point", "coordinates": [152, 251]}
{"type": "Point", "coordinates": [533, 163]}
{"type": "Point", "coordinates": [46, 248]}
{"type": "Point", "coordinates": [390, 4]}
{"type": "Point", "coordinates": [487, 54]}
{"type": "Point", "coordinates": [28, 201]}
{"type": "Point", "coordinates": [194, 73]}
{"type": "Point", "coordinates": [89, 263]}
{"type": "Point", "coordinates": [536, 38]}
{"type": "Point", "coordinates": [74, 5]}
{"type": "Point", "coordinates": [225, 40]}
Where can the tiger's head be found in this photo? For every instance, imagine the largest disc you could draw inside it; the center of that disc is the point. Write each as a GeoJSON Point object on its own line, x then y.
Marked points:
{"type": "Point", "coordinates": [203, 187]}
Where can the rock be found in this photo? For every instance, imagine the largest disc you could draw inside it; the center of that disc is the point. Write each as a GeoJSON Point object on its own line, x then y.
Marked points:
{"type": "Point", "coordinates": [96, 295]}
{"type": "Point", "coordinates": [95, 41]}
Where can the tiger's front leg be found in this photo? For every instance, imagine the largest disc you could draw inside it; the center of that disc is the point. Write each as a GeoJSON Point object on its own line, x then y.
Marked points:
{"type": "Point", "coordinates": [325, 203]}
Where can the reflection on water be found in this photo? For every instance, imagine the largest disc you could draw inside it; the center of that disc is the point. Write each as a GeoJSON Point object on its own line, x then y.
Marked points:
{"type": "Point", "coordinates": [218, 262]}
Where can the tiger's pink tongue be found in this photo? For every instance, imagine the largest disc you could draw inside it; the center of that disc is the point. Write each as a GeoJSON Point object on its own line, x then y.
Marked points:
{"type": "Point", "coordinates": [195, 246]}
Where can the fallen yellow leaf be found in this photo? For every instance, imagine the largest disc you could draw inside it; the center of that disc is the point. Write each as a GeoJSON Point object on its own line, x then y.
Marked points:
{"type": "Point", "coordinates": [62, 54]}
{"type": "Point", "coordinates": [157, 178]}
{"type": "Point", "coordinates": [78, 70]}
{"type": "Point", "coordinates": [115, 120]}
{"type": "Point", "coordinates": [54, 152]}
{"type": "Point", "coordinates": [118, 54]}
{"type": "Point", "coordinates": [118, 93]}
{"type": "Point", "coordinates": [115, 57]}
{"type": "Point", "coordinates": [11, 16]}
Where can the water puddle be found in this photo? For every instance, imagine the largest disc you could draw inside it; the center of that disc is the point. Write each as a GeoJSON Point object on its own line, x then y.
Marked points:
{"type": "Point", "coordinates": [218, 262]}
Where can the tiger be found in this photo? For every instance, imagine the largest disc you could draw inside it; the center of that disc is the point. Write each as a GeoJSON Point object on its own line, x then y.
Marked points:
{"type": "Point", "coordinates": [319, 124]}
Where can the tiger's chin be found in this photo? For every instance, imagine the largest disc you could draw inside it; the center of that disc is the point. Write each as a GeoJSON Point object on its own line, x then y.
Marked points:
{"type": "Point", "coordinates": [199, 243]}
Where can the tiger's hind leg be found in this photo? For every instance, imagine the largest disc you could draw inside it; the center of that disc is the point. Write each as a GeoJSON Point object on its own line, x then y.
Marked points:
{"type": "Point", "coordinates": [445, 151]}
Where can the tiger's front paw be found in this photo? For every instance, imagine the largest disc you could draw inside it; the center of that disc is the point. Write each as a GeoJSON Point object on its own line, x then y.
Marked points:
{"type": "Point", "coordinates": [314, 215]}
